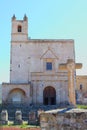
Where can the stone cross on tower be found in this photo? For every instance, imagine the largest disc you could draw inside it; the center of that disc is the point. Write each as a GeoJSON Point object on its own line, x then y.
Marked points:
{"type": "Point", "coordinates": [70, 66]}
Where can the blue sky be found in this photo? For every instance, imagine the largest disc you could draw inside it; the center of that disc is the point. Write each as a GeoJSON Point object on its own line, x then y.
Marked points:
{"type": "Point", "coordinates": [47, 19]}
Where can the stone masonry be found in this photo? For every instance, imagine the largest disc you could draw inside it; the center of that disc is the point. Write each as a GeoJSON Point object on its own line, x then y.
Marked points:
{"type": "Point", "coordinates": [74, 119]}
{"type": "Point", "coordinates": [35, 77]}
{"type": "Point", "coordinates": [71, 66]}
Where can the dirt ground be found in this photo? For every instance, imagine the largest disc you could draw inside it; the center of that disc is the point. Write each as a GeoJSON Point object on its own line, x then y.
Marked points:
{"type": "Point", "coordinates": [11, 128]}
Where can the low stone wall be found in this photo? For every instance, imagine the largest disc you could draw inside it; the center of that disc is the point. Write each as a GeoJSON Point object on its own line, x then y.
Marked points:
{"type": "Point", "coordinates": [74, 119]}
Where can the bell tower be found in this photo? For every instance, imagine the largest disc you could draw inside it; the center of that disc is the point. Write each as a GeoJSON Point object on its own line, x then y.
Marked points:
{"type": "Point", "coordinates": [19, 30]}
{"type": "Point", "coordinates": [19, 38]}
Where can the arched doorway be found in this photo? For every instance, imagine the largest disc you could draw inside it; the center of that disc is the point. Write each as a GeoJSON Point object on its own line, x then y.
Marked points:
{"type": "Point", "coordinates": [49, 96]}
{"type": "Point", "coordinates": [16, 96]}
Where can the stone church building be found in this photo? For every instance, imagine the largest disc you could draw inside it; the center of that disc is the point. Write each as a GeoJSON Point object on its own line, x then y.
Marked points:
{"type": "Point", "coordinates": [35, 77]}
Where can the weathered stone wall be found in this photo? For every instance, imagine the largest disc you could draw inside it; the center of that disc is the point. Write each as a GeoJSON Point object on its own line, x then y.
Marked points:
{"type": "Point", "coordinates": [60, 87]}
{"type": "Point", "coordinates": [31, 57]}
{"type": "Point", "coordinates": [28, 64]}
{"type": "Point", "coordinates": [81, 89]}
{"type": "Point", "coordinates": [71, 120]}
{"type": "Point", "coordinates": [9, 89]}
{"type": "Point", "coordinates": [81, 80]}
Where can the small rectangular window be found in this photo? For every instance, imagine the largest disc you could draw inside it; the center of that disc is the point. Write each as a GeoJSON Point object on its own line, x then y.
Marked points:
{"type": "Point", "coordinates": [48, 65]}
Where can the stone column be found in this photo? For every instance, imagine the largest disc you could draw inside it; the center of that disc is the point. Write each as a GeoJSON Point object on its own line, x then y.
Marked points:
{"type": "Point", "coordinates": [71, 81]}
{"type": "Point", "coordinates": [4, 117]}
{"type": "Point", "coordinates": [18, 118]}
{"type": "Point", "coordinates": [70, 66]}
{"type": "Point", "coordinates": [32, 118]}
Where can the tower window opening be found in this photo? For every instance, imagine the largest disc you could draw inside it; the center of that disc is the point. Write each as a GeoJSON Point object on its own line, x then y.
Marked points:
{"type": "Point", "coordinates": [81, 86]}
{"type": "Point", "coordinates": [19, 28]}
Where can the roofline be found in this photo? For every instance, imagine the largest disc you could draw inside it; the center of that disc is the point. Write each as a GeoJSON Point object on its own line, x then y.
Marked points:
{"type": "Point", "coordinates": [47, 40]}
{"type": "Point", "coordinates": [55, 40]}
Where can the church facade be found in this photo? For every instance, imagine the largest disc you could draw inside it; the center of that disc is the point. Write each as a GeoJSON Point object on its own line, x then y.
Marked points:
{"type": "Point", "coordinates": [35, 77]}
